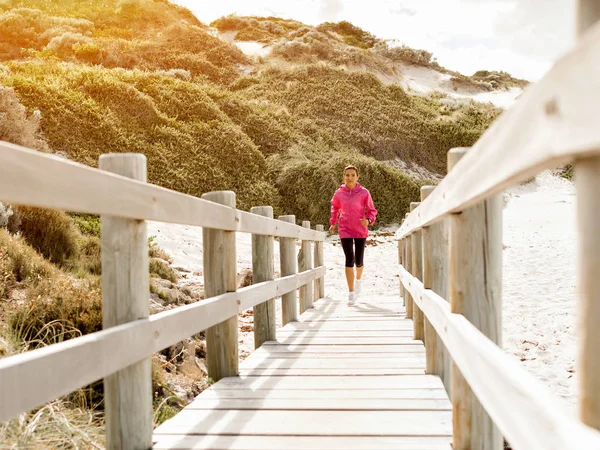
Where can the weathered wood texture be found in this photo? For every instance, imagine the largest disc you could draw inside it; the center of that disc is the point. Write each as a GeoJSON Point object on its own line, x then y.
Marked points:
{"type": "Point", "coordinates": [220, 273]}
{"type": "Point", "coordinates": [319, 261]}
{"type": "Point", "coordinates": [587, 181]}
{"type": "Point", "coordinates": [125, 293]}
{"type": "Point", "coordinates": [28, 177]}
{"type": "Point", "coordinates": [416, 268]}
{"type": "Point", "coordinates": [263, 258]}
{"type": "Point", "coordinates": [523, 408]}
{"type": "Point", "coordinates": [304, 396]}
{"type": "Point", "coordinates": [289, 266]}
{"type": "Point", "coordinates": [305, 263]}
{"type": "Point", "coordinates": [475, 292]}
{"type": "Point", "coordinates": [72, 366]}
{"type": "Point", "coordinates": [434, 348]}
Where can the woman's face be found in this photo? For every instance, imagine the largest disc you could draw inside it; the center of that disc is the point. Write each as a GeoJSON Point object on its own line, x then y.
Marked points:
{"type": "Point", "coordinates": [350, 178]}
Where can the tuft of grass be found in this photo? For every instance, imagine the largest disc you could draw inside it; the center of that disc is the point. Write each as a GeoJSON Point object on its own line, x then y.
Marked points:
{"type": "Point", "coordinates": [50, 232]}
{"type": "Point", "coordinates": [309, 183]}
{"type": "Point", "coordinates": [161, 270]}
{"type": "Point", "coordinates": [17, 125]}
{"type": "Point", "coordinates": [57, 309]}
{"type": "Point", "coordinates": [58, 424]}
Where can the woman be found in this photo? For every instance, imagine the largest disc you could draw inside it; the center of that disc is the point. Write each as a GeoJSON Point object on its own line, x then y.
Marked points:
{"type": "Point", "coordinates": [352, 206]}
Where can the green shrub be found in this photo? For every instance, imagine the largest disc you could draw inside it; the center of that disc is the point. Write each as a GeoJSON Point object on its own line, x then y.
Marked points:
{"type": "Point", "coordinates": [57, 309]}
{"type": "Point", "coordinates": [161, 270]}
{"type": "Point", "coordinates": [20, 263]}
{"type": "Point", "coordinates": [88, 224]}
{"type": "Point", "coordinates": [352, 34]}
{"type": "Point", "coordinates": [309, 178]}
{"type": "Point", "coordinates": [50, 232]}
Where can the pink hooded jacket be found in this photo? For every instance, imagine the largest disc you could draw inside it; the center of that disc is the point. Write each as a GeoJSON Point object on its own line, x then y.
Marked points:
{"type": "Point", "coordinates": [349, 206]}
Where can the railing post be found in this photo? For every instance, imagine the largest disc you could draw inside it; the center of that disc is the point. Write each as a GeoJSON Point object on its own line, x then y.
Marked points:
{"type": "Point", "coordinates": [289, 266]}
{"type": "Point", "coordinates": [288, 261]}
{"type": "Point", "coordinates": [433, 361]}
{"type": "Point", "coordinates": [408, 267]}
{"type": "Point", "coordinates": [416, 270]}
{"type": "Point", "coordinates": [305, 263]}
{"type": "Point", "coordinates": [435, 277]}
{"type": "Point", "coordinates": [319, 282]}
{"type": "Point", "coordinates": [263, 270]}
{"type": "Point", "coordinates": [220, 272]}
{"type": "Point", "coordinates": [125, 293]}
{"type": "Point", "coordinates": [587, 182]}
{"type": "Point", "coordinates": [475, 292]}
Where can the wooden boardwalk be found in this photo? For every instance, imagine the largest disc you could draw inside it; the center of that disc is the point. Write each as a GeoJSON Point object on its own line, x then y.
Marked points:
{"type": "Point", "coordinates": [340, 378]}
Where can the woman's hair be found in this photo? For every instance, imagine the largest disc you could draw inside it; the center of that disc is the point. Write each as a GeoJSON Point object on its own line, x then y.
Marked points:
{"type": "Point", "coordinates": [351, 167]}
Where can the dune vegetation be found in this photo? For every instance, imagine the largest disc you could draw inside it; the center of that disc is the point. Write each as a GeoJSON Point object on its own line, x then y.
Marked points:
{"type": "Point", "coordinates": [83, 78]}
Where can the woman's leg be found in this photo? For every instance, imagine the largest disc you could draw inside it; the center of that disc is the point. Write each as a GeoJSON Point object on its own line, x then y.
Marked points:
{"type": "Point", "coordinates": [359, 244]}
{"type": "Point", "coordinates": [347, 245]}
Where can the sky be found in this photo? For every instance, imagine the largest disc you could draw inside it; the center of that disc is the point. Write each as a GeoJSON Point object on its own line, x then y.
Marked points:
{"type": "Point", "coordinates": [522, 37]}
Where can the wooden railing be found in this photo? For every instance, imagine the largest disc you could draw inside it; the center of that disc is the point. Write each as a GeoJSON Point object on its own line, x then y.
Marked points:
{"type": "Point", "coordinates": [120, 353]}
{"type": "Point", "coordinates": [450, 250]}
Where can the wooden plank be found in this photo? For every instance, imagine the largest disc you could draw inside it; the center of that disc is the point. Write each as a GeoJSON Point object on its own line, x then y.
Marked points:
{"type": "Point", "coordinates": [416, 268]}
{"type": "Point", "coordinates": [313, 423]}
{"type": "Point", "coordinates": [420, 353]}
{"type": "Point", "coordinates": [324, 394]}
{"type": "Point", "coordinates": [587, 180]}
{"type": "Point", "coordinates": [345, 363]}
{"type": "Point", "coordinates": [332, 382]}
{"type": "Point", "coordinates": [28, 177]}
{"type": "Point", "coordinates": [306, 340]}
{"type": "Point", "coordinates": [213, 442]}
{"type": "Point", "coordinates": [276, 347]}
{"type": "Point", "coordinates": [288, 266]}
{"type": "Point", "coordinates": [263, 269]}
{"type": "Point", "coordinates": [345, 333]}
{"type": "Point", "coordinates": [305, 262]}
{"type": "Point", "coordinates": [73, 367]}
{"type": "Point", "coordinates": [552, 122]}
{"type": "Point", "coordinates": [523, 408]}
{"type": "Point", "coordinates": [331, 404]}
{"type": "Point", "coordinates": [357, 371]}
{"type": "Point", "coordinates": [125, 292]}
{"type": "Point", "coordinates": [318, 261]}
{"type": "Point", "coordinates": [475, 259]}
{"type": "Point", "coordinates": [389, 325]}
{"type": "Point", "coordinates": [219, 265]}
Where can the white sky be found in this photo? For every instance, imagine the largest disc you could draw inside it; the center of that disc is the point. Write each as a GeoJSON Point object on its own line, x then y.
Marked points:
{"type": "Point", "coordinates": [522, 37]}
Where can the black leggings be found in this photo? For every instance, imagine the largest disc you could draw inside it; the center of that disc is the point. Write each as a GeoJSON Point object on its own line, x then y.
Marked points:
{"type": "Point", "coordinates": [349, 251]}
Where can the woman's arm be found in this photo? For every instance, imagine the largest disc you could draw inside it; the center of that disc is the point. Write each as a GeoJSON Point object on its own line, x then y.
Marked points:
{"type": "Point", "coordinates": [335, 209]}
{"type": "Point", "coordinates": [370, 211]}
{"type": "Point", "coordinates": [335, 212]}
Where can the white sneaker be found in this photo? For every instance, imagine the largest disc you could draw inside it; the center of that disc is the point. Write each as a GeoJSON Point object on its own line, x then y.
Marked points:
{"type": "Point", "coordinates": [357, 287]}
{"type": "Point", "coordinates": [351, 298]}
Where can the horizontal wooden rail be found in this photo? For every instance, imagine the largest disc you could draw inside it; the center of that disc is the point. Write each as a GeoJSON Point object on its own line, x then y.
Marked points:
{"type": "Point", "coordinates": [37, 179]}
{"type": "Point", "coordinates": [520, 405]}
{"type": "Point", "coordinates": [77, 362]}
{"type": "Point", "coordinates": [554, 121]}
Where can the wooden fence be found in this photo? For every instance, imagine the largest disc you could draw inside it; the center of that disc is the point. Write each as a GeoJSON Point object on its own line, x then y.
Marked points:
{"type": "Point", "coordinates": [121, 352]}
{"type": "Point", "coordinates": [450, 250]}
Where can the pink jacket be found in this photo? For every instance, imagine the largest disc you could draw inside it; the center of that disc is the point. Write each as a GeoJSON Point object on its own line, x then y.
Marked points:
{"type": "Point", "coordinates": [349, 206]}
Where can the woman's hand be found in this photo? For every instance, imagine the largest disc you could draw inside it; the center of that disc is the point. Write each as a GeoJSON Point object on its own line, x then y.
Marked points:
{"type": "Point", "coordinates": [332, 229]}
{"type": "Point", "coordinates": [364, 222]}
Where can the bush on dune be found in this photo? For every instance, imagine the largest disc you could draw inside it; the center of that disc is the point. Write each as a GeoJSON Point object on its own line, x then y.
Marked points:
{"type": "Point", "coordinates": [308, 177]}
{"type": "Point", "coordinates": [382, 121]}
{"type": "Point", "coordinates": [90, 111]}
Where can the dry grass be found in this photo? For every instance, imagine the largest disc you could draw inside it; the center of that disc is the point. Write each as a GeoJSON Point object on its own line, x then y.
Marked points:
{"type": "Point", "coordinates": [55, 425]}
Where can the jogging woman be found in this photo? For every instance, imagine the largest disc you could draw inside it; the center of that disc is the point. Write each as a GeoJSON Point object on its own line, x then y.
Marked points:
{"type": "Point", "coordinates": [352, 208]}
